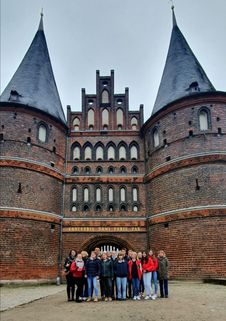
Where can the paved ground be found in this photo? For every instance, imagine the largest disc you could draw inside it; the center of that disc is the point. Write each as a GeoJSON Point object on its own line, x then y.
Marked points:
{"type": "Point", "coordinates": [14, 296]}
{"type": "Point", "coordinates": [188, 301]}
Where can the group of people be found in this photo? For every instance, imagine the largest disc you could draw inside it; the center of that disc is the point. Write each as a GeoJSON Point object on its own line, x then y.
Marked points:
{"type": "Point", "coordinates": [121, 275]}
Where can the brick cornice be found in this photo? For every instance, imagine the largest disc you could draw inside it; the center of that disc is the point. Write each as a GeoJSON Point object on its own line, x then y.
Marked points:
{"type": "Point", "coordinates": [30, 165]}
{"type": "Point", "coordinates": [184, 162]}
{"type": "Point", "coordinates": [105, 179]}
{"type": "Point", "coordinates": [189, 213]}
{"type": "Point", "coordinates": [27, 214]}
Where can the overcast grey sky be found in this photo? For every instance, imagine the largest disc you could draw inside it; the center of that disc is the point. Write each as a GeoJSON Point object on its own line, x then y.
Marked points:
{"type": "Point", "coordinates": [129, 36]}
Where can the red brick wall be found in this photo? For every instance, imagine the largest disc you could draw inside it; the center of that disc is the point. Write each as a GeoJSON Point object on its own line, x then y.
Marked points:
{"type": "Point", "coordinates": [18, 124]}
{"type": "Point", "coordinates": [196, 248]}
{"type": "Point", "coordinates": [177, 189]}
{"type": "Point", "coordinates": [174, 127]}
{"type": "Point", "coordinates": [38, 191]}
{"type": "Point", "coordinates": [29, 250]}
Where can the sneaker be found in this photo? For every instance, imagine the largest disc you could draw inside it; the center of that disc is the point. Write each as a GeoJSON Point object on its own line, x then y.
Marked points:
{"type": "Point", "coordinates": [138, 298]}
{"type": "Point", "coordinates": [147, 297]}
{"type": "Point", "coordinates": [153, 297]}
{"type": "Point", "coordinates": [106, 299]}
{"type": "Point", "coordinates": [95, 300]}
{"type": "Point", "coordinates": [109, 299]}
{"type": "Point", "coordinates": [89, 299]}
{"type": "Point", "coordinates": [134, 298]}
{"type": "Point", "coordinates": [84, 299]}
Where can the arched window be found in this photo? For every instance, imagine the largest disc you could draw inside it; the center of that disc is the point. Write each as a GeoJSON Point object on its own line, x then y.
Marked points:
{"type": "Point", "coordinates": [87, 170]}
{"type": "Point", "coordinates": [134, 123]}
{"type": "Point", "coordinates": [86, 208]}
{"type": "Point", "coordinates": [135, 208]}
{"type": "Point", "coordinates": [123, 170]}
{"type": "Point", "coordinates": [76, 123]}
{"type": "Point", "coordinates": [135, 194]}
{"type": "Point", "coordinates": [133, 152]}
{"type": "Point", "coordinates": [99, 170]}
{"type": "Point", "coordinates": [76, 153]}
{"type": "Point", "coordinates": [203, 119]}
{"type": "Point", "coordinates": [111, 208]}
{"type": "Point", "coordinates": [111, 170]}
{"type": "Point", "coordinates": [99, 153]}
{"type": "Point", "coordinates": [119, 117]}
{"type": "Point", "coordinates": [98, 194]}
{"type": "Point", "coordinates": [122, 194]}
{"type": "Point", "coordinates": [74, 208]}
{"type": "Point", "coordinates": [134, 170]}
{"type": "Point", "coordinates": [42, 133]}
{"type": "Point", "coordinates": [156, 137]}
{"type": "Point", "coordinates": [122, 152]}
{"type": "Point", "coordinates": [110, 194]}
{"type": "Point", "coordinates": [105, 97]}
{"type": "Point", "coordinates": [88, 153]}
{"type": "Point", "coordinates": [75, 170]}
{"type": "Point", "coordinates": [105, 118]}
{"type": "Point", "coordinates": [98, 208]}
{"type": "Point", "coordinates": [123, 208]}
{"type": "Point", "coordinates": [86, 194]}
{"type": "Point", "coordinates": [91, 118]}
{"type": "Point", "coordinates": [74, 194]}
{"type": "Point", "coordinates": [111, 153]}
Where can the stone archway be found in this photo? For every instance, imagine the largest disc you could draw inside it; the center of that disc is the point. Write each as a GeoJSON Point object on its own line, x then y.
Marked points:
{"type": "Point", "coordinates": [101, 240]}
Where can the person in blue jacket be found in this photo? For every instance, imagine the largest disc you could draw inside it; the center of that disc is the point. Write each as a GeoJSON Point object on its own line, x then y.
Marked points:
{"type": "Point", "coordinates": [121, 273]}
{"type": "Point", "coordinates": [92, 272]}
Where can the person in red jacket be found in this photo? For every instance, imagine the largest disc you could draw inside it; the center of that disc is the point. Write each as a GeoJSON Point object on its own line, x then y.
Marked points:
{"type": "Point", "coordinates": [135, 274]}
{"type": "Point", "coordinates": [147, 268]}
{"type": "Point", "coordinates": [77, 270]}
{"type": "Point", "coordinates": [154, 279]}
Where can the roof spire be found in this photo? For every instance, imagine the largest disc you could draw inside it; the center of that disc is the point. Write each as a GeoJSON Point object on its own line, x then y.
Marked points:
{"type": "Point", "coordinates": [183, 75]}
{"type": "Point", "coordinates": [40, 27]}
{"type": "Point", "coordinates": [33, 84]}
{"type": "Point", "coordinates": [173, 14]}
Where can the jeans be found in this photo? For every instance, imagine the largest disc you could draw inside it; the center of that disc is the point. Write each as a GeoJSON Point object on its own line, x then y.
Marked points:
{"type": "Point", "coordinates": [163, 288]}
{"type": "Point", "coordinates": [155, 281]}
{"type": "Point", "coordinates": [136, 286]}
{"type": "Point", "coordinates": [92, 282]}
{"type": "Point", "coordinates": [147, 282]}
{"type": "Point", "coordinates": [121, 287]}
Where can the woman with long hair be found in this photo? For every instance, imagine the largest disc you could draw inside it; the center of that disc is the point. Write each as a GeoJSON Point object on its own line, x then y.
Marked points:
{"type": "Point", "coordinates": [69, 277]}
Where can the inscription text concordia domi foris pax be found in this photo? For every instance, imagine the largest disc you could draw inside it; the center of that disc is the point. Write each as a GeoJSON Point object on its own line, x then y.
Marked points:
{"type": "Point", "coordinates": [102, 229]}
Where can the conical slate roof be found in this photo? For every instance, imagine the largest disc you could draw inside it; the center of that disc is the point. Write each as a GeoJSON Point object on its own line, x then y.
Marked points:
{"type": "Point", "coordinates": [183, 74]}
{"type": "Point", "coordinates": [33, 83]}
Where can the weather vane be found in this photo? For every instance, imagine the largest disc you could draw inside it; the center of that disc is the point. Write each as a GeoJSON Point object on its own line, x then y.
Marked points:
{"type": "Point", "coordinates": [41, 12]}
{"type": "Point", "coordinates": [172, 4]}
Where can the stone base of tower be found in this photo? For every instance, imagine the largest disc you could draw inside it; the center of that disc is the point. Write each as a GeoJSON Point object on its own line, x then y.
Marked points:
{"type": "Point", "coordinates": [194, 242]}
{"type": "Point", "coordinates": [29, 247]}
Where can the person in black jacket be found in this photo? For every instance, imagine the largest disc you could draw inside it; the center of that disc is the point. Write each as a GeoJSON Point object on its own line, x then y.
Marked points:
{"type": "Point", "coordinates": [107, 274]}
{"type": "Point", "coordinates": [121, 273]}
{"type": "Point", "coordinates": [93, 273]}
{"type": "Point", "coordinates": [68, 274]}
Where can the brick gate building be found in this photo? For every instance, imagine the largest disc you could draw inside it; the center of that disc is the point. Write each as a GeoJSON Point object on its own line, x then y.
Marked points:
{"type": "Point", "coordinates": [104, 178]}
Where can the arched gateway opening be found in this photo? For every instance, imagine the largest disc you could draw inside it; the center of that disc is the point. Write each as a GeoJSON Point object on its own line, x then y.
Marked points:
{"type": "Point", "coordinates": [106, 243]}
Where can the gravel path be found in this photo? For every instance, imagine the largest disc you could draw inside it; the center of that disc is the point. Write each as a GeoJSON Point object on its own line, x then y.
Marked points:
{"type": "Point", "coordinates": [188, 301]}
